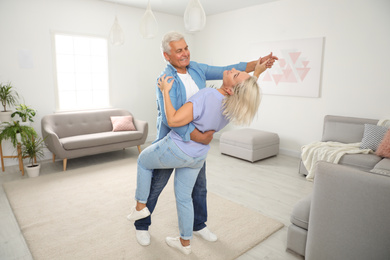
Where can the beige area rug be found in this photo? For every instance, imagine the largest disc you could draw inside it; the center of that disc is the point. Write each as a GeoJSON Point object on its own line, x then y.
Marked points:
{"type": "Point", "coordinates": [81, 214]}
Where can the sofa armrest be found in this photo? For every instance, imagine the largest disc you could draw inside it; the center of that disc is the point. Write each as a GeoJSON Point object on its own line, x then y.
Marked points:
{"type": "Point", "coordinates": [142, 126]}
{"type": "Point", "coordinates": [349, 214]}
{"type": "Point", "coordinates": [52, 140]}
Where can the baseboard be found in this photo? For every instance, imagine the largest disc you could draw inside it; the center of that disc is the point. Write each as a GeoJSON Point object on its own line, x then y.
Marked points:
{"type": "Point", "coordinates": [291, 153]}
{"type": "Point", "coordinates": [49, 156]}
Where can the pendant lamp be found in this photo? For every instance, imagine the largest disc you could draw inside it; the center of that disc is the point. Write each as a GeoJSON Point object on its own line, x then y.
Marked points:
{"type": "Point", "coordinates": [194, 16]}
{"type": "Point", "coordinates": [148, 27]}
{"type": "Point", "coordinates": [117, 36]}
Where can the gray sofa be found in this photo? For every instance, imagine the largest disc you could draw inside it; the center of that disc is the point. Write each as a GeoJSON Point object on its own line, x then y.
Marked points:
{"type": "Point", "coordinates": [77, 134]}
{"type": "Point", "coordinates": [346, 201]}
{"type": "Point", "coordinates": [346, 216]}
{"type": "Point", "coordinates": [350, 130]}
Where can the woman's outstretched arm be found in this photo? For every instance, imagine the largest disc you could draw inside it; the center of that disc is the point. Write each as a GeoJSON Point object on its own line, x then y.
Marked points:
{"type": "Point", "coordinates": [260, 67]}
{"type": "Point", "coordinates": [183, 115]}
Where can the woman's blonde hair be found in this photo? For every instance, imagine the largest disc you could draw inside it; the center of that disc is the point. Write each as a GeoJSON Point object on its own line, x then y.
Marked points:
{"type": "Point", "coordinates": [241, 107]}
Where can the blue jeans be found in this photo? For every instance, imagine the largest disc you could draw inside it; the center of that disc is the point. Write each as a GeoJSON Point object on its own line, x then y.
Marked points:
{"type": "Point", "coordinates": [166, 155]}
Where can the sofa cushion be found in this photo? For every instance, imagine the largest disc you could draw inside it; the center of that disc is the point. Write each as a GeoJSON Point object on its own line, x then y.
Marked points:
{"type": "Point", "coordinates": [382, 167]}
{"type": "Point", "coordinates": [98, 139]}
{"type": "Point", "coordinates": [364, 162]}
{"type": "Point", "coordinates": [372, 137]}
{"type": "Point", "coordinates": [301, 212]}
{"type": "Point", "coordinates": [122, 123]}
{"type": "Point", "coordinates": [82, 123]}
{"type": "Point", "coordinates": [384, 147]}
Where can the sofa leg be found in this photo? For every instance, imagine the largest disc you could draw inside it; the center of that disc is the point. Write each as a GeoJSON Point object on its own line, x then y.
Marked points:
{"type": "Point", "coordinates": [54, 157]}
{"type": "Point", "coordinates": [64, 163]}
{"type": "Point", "coordinates": [139, 148]}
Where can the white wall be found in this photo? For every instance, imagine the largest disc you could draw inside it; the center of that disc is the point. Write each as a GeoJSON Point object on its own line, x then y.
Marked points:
{"type": "Point", "coordinates": [355, 81]}
{"type": "Point", "coordinates": [355, 78]}
{"type": "Point", "coordinates": [134, 67]}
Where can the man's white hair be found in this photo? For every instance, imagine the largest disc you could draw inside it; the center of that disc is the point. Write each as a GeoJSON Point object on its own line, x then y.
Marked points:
{"type": "Point", "coordinates": [170, 37]}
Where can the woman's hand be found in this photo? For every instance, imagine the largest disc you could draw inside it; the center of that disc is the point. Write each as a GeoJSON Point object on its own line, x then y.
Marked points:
{"type": "Point", "coordinates": [175, 118]}
{"type": "Point", "coordinates": [164, 83]}
{"type": "Point", "coordinates": [271, 59]}
{"type": "Point", "coordinates": [260, 67]}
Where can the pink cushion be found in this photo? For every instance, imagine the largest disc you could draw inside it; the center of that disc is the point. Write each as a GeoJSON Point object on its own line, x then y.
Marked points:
{"type": "Point", "coordinates": [122, 123]}
{"type": "Point", "coordinates": [384, 147]}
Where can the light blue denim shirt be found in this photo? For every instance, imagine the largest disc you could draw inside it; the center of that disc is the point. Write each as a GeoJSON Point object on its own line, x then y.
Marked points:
{"type": "Point", "coordinates": [199, 73]}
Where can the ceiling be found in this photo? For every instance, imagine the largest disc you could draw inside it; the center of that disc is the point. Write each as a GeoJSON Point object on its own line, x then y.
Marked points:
{"type": "Point", "coordinates": [177, 7]}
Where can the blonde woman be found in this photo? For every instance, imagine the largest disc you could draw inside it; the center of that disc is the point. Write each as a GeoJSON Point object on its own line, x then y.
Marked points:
{"type": "Point", "coordinates": [237, 101]}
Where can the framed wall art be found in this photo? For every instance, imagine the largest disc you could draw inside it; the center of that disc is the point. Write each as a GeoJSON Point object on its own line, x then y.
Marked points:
{"type": "Point", "coordinates": [298, 70]}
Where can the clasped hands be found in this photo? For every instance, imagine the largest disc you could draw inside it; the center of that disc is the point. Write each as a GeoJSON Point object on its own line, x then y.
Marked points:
{"type": "Point", "coordinates": [264, 63]}
{"type": "Point", "coordinates": [270, 60]}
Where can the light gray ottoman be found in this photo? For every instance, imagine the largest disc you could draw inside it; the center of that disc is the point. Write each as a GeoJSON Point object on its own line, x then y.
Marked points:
{"type": "Point", "coordinates": [249, 144]}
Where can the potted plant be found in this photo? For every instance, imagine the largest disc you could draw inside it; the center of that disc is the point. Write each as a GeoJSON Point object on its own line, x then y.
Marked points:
{"type": "Point", "coordinates": [32, 148]}
{"type": "Point", "coordinates": [25, 113]}
{"type": "Point", "coordinates": [8, 97]}
{"type": "Point", "coordinates": [16, 133]}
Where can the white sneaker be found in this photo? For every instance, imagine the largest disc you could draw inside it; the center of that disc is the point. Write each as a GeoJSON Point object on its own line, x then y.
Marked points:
{"type": "Point", "coordinates": [175, 243]}
{"type": "Point", "coordinates": [206, 234]}
{"type": "Point", "coordinates": [143, 237]}
{"type": "Point", "coordinates": [135, 214]}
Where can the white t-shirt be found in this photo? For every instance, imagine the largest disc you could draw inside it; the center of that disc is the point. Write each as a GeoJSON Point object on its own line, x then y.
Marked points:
{"type": "Point", "coordinates": [189, 84]}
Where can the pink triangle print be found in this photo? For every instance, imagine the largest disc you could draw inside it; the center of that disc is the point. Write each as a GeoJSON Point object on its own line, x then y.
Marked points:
{"type": "Point", "coordinates": [294, 56]}
{"type": "Point", "coordinates": [305, 63]}
{"type": "Point", "coordinates": [290, 68]}
{"type": "Point", "coordinates": [298, 69]}
{"type": "Point", "coordinates": [277, 78]}
{"type": "Point", "coordinates": [303, 72]}
{"type": "Point", "coordinates": [289, 75]}
{"type": "Point", "coordinates": [282, 63]}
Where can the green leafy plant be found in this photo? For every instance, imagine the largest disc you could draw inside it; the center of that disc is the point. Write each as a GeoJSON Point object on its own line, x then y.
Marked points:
{"type": "Point", "coordinates": [8, 96]}
{"type": "Point", "coordinates": [10, 131]}
{"type": "Point", "coordinates": [24, 112]}
{"type": "Point", "coordinates": [33, 148]}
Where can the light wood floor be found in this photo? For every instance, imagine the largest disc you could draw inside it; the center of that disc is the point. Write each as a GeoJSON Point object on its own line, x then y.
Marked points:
{"type": "Point", "coordinates": [271, 186]}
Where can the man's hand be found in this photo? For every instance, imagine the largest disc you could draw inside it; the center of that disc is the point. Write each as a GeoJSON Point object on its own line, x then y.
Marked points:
{"type": "Point", "coordinates": [204, 138]}
{"type": "Point", "coordinates": [271, 59]}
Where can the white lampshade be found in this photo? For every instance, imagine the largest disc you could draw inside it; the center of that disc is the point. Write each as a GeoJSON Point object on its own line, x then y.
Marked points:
{"type": "Point", "coordinates": [149, 26]}
{"type": "Point", "coordinates": [194, 16]}
{"type": "Point", "coordinates": [117, 36]}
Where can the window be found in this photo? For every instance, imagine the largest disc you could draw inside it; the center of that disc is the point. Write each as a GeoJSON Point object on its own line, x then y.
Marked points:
{"type": "Point", "coordinates": [82, 72]}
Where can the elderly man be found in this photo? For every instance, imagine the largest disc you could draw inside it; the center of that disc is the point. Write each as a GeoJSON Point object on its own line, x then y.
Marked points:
{"type": "Point", "coordinates": [189, 77]}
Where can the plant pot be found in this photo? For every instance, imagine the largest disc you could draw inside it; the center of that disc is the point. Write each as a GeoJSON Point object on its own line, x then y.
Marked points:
{"type": "Point", "coordinates": [33, 171]}
{"type": "Point", "coordinates": [19, 137]}
{"type": "Point", "coordinates": [5, 116]}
